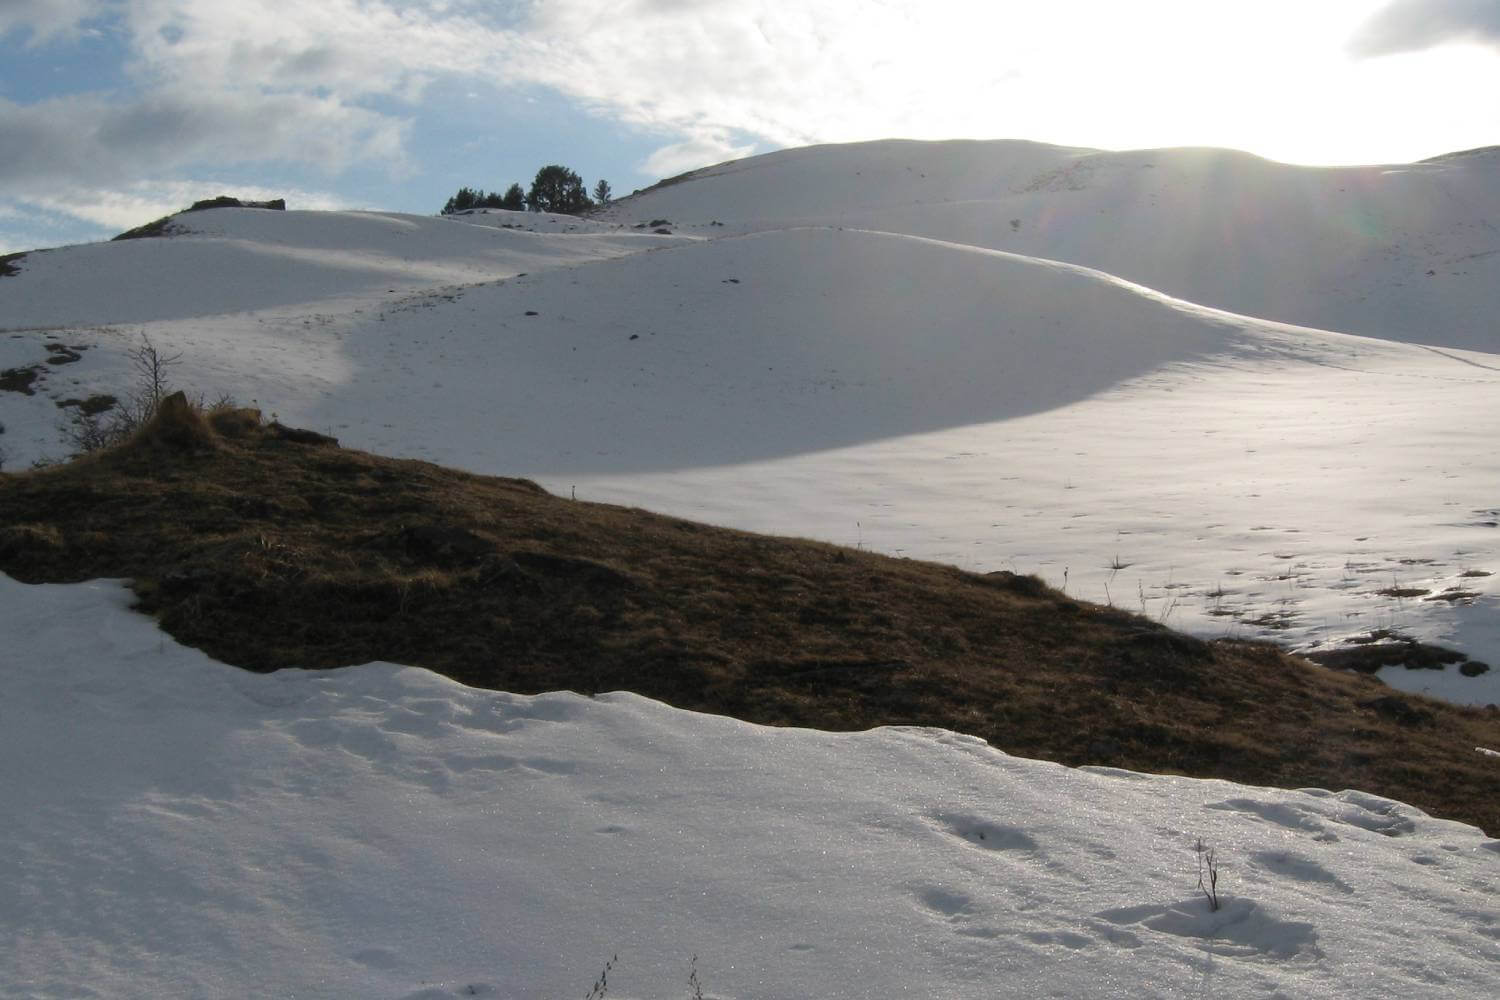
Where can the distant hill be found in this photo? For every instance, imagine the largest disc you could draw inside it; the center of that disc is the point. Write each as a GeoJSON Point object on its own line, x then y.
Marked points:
{"type": "Point", "coordinates": [1408, 252]}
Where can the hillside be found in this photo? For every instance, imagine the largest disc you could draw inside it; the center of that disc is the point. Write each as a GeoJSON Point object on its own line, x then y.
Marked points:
{"type": "Point", "coordinates": [1403, 251]}
{"type": "Point", "coordinates": [572, 653]}
{"type": "Point", "coordinates": [268, 553]}
{"type": "Point", "coordinates": [917, 397]}
{"type": "Point", "coordinates": [228, 260]}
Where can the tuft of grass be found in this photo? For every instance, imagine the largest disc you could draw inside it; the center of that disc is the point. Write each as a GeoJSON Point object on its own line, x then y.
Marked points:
{"type": "Point", "coordinates": [271, 548]}
{"type": "Point", "coordinates": [601, 985]}
{"type": "Point", "coordinates": [695, 986]}
{"type": "Point", "coordinates": [1208, 874]}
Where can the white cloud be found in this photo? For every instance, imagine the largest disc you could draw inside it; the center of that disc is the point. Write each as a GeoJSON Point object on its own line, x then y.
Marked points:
{"type": "Point", "coordinates": [1274, 77]}
{"type": "Point", "coordinates": [699, 151]}
{"type": "Point", "coordinates": [1413, 25]}
{"type": "Point", "coordinates": [330, 84]}
{"type": "Point", "coordinates": [124, 208]}
{"type": "Point", "coordinates": [90, 140]}
{"type": "Point", "coordinates": [47, 20]}
{"type": "Point", "coordinates": [252, 81]}
{"type": "Point", "coordinates": [344, 48]}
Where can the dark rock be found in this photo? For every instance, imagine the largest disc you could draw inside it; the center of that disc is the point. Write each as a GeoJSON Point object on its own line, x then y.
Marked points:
{"type": "Point", "coordinates": [1473, 668]}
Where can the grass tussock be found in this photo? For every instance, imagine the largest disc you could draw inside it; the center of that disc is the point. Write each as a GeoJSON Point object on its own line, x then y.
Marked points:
{"type": "Point", "coordinates": [270, 548]}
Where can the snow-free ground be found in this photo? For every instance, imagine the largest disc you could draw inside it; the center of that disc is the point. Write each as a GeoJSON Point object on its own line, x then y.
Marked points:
{"type": "Point", "coordinates": [1004, 356]}
{"type": "Point", "coordinates": [176, 827]}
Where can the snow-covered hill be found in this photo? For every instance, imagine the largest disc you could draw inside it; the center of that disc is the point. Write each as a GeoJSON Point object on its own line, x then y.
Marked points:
{"type": "Point", "coordinates": [920, 397]}
{"type": "Point", "coordinates": [232, 260]}
{"type": "Point", "coordinates": [1409, 251]}
{"type": "Point", "coordinates": [175, 827]}
{"type": "Point", "coordinates": [968, 352]}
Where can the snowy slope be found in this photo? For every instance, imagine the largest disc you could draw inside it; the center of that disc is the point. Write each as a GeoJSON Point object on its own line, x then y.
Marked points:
{"type": "Point", "coordinates": [180, 828]}
{"type": "Point", "coordinates": [1227, 475]}
{"type": "Point", "coordinates": [1410, 252]}
{"type": "Point", "coordinates": [236, 259]}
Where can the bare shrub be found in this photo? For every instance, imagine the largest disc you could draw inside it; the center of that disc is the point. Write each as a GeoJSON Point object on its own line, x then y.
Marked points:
{"type": "Point", "coordinates": [95, 431]}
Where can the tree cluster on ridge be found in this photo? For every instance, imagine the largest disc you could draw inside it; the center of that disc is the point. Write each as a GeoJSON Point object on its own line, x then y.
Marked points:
{"type": "Point", "coordinates": [554, 189]}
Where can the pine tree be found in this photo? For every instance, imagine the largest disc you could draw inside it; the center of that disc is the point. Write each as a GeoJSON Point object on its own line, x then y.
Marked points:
{"type": "Point", "coordinates": [602, 192]}
{"type": "Point", "coordinates": [515, 199]}
{"type": "Point", "coordinates": [466, 199]}
{"type": "Point", "coordinates": [557, 189]}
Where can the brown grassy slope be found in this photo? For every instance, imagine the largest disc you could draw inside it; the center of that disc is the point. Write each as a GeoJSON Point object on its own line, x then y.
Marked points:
{"type": "Point", "coordinates": [268, 553]}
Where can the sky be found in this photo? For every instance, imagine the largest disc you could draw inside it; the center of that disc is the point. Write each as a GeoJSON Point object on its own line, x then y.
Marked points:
{"type": "Point", "coordinates": [115, 112]}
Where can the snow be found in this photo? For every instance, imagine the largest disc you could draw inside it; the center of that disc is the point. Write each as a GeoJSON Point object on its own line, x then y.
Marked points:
{"type": "Point", "coordinates": [178, 827]}
{"type": "Point", "coordinates": [1410, 252]}
{"type": "Point", "coordinates": [243, 259]}
{"type": "Point", "coordinates": [1111, 393]}
{"type": "Point", "coordinates": [920, 396]}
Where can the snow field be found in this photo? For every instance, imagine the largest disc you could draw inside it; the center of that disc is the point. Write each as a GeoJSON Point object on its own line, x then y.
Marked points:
{"type": "Point", "coordinates": [382, 832]}
{"type": "Point", "coordinates": [1223, 474]}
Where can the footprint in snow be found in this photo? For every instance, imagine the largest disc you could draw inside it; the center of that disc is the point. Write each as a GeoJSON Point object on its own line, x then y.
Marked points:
{"type": "Point", "coordinates": [1240, 928]}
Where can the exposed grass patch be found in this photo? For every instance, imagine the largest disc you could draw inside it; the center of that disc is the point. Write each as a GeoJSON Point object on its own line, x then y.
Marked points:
{"type": "Point", "coordinates": [1383, 648]}
{"type": "Point", "coordinates": [1403, 592]}
{"type": "Point", "coordinates": [19, 380]}
{"type": "Point", "coordinates": [152, 230]}
{"type": "Point", "coordinates": [8, 262]}
{"type": "Point", "coordinates": [1456, 595]}
{"type": "Point", "coordinates": [168, 225]}
{"type": "Point", "coordinates": [268, 552]}
{"type": "Point", "coordinates": [92, 406]}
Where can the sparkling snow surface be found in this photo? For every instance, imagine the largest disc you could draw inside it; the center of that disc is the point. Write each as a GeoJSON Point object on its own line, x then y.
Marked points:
{"type": "Point", "coordinates": [175, 827]}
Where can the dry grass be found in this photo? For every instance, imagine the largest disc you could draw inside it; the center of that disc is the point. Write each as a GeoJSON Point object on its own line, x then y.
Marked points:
{"type": "Point", "coordinates": [268, 552]}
